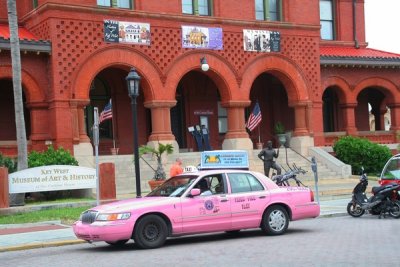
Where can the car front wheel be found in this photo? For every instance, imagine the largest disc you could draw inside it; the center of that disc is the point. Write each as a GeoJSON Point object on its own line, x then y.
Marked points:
{"type": "Point", "coordinates": [275, 220]}
{"type": "Point", "coordinates": [150, 232]}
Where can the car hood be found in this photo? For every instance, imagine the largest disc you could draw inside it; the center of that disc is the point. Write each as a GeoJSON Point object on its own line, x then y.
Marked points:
{"type": "Point", "coordinates": [136, 203]}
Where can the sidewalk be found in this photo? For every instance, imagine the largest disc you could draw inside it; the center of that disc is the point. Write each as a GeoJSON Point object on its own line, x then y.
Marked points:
{"type": "Point", "coordinates": [333, 194]}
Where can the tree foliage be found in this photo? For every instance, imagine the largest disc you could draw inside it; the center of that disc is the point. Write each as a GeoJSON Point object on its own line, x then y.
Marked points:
{"type": "Point", "coordinates": [159, 173]}
{"type": "Point", "coordinates": [8, 162]}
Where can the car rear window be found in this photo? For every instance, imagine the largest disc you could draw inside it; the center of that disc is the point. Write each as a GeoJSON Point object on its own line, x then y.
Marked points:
{"type": "Point", "coordinates": [244, 182]}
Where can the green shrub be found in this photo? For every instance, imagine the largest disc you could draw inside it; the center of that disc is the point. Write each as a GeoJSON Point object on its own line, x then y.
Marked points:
{"type": "Point", "coordinates": [8, 163]}
{"type": "Point", "coordinates": [51, 157]}
{"type": "Point", "coordinates": [360, 152]}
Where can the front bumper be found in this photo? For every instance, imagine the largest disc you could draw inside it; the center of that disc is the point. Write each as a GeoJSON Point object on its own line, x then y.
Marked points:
{"type": "Point", "coordinates": [103, 231]}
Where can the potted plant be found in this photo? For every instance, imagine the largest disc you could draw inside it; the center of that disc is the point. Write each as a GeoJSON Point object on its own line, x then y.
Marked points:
{"type": "Point", "coordinates": [159, 173]}
{"type": "Point", "coordinates": [280, 132]}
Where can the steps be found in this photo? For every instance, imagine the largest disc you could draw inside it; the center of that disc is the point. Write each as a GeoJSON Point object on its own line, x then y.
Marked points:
{"type": "Point", "coordinates": [125, 174]}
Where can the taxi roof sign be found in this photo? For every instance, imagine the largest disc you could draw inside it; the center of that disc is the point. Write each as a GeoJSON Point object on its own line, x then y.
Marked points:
{"type": "Point", "coordinates": [224, 159]}
{"type": "Point", "coordinates": [190, 169]}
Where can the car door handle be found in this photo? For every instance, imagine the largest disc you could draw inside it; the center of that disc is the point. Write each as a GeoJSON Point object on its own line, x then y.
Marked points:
{"type": "Point", "coordinates": [224, 200]}
{"type": "Point", "coordinates": [262, 197]}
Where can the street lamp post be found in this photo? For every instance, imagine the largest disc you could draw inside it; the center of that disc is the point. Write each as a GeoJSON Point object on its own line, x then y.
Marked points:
{"type": "Point", "coordinates": [133, 80]}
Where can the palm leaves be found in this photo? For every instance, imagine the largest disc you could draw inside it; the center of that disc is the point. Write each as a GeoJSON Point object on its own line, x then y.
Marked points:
{"type": "Point", "coordinates": [159, 173]}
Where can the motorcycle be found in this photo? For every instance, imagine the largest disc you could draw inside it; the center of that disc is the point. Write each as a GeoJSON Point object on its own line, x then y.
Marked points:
{"type": "Point", "coordinates": [380, 203]}
{"type": "Point", "coordinates": [283, 179]}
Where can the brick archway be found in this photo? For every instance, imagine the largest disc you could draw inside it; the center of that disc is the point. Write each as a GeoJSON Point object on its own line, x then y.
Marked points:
{"type": "Point", "coordinates": [123, 57]}
{"type": "Point", "coordinates": [343, 88]}
{"type": "Point", "coordinates": [286, 71]}
{"type": "Point", "coordinates": [387, 87]}
{"type": "Point", "coordinates": [32, 90]}
{"type": "Point", "coordinates": [221, 72]}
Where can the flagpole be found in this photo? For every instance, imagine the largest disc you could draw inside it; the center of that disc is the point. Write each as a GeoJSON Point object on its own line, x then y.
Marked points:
{"type": "Point", "coordinates": [259, 134]}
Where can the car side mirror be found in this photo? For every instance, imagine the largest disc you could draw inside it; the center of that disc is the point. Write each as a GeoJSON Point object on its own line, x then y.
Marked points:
{"type": "Point", "coordinates": [195, 192]}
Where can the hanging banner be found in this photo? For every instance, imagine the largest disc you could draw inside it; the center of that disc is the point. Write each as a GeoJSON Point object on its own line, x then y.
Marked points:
{"type": "Point", "coordinates": [126, 32]}
{"type": "Point", "coordinates": [261, 41]}
{"type": "Point", "coordinates": [202, 37]}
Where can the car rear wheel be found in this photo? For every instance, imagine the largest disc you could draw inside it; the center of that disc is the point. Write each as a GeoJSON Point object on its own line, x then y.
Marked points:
{"type": "Point", "coordinates": [275, 220]}
{"type": "Point", "coordinates": [150, 232]}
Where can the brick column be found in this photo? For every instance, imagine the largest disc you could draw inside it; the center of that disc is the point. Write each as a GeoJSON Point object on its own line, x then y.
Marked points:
{"type": "Point", "coordinates": [394, 116]}
{"type": "Point", "coordinates": [300, 119]}
{"type": "Point", "coordinates": [349, 118]}
{"type": "Point", "coordinates": [236, 136]}
{"type": "Point", "coordinates": [60, 119]}
{"type": "Point", "coordinates": [236, 121]}
{"type": "Point", "coordinates": [4, 193]}
{"type": "Point", "coordinates": [39, 123]}
{"type": "Point", "coordinates": [317, 123]}
{"type": "Point", "coordinates": [78, 120]}
{"type": "Point", "coordinates": [160, 119]}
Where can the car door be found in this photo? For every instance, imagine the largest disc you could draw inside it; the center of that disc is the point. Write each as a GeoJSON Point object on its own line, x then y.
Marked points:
{"type": "Point", "coordinates": [248, 199]}
{"type": "Point", "coordinates": [208, 212]}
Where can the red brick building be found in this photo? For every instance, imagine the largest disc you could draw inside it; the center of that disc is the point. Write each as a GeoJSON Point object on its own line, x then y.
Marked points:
{"type": "Point", "coordinates": [321, 82]}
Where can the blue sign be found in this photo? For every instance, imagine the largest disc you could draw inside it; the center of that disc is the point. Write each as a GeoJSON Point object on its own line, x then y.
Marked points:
{"type": "Point", "coordinates": [224, 159]}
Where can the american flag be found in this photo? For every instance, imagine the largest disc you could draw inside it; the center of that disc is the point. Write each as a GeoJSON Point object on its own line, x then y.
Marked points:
{"type": "Point", "coordinates": [255, 118]}
{"type": "Point", "coordinates": [106, 113]}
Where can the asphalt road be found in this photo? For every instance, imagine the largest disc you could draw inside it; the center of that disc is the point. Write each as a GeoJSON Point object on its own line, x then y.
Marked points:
{"type": "Point", "coordinates": [335, 241]}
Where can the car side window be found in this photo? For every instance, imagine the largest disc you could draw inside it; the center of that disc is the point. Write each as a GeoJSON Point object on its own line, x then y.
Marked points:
{"type": "Point", "coordinates": [217, 185]}
{"type": "Point", "coordinates": [244, 182]}
{"type": "Point", "coordinates": [211, 185]}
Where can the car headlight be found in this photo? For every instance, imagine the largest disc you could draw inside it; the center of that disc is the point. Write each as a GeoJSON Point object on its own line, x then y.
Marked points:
{"type": "Point", "coordinates": [113, 216]}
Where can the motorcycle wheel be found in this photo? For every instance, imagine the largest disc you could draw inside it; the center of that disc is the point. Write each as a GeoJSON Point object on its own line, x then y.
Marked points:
{"type": "Point", "coordinates": [395, 210]}
{"type": "Point", "coordinates": [355, 210]}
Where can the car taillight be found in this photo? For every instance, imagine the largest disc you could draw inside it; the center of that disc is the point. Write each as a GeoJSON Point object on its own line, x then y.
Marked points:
{"type": "Point", "coordinates": [312, 195]}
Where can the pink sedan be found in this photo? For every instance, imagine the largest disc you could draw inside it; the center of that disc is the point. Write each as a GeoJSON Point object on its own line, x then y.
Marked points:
{"type": "Point", "coordinates": [199, 202]}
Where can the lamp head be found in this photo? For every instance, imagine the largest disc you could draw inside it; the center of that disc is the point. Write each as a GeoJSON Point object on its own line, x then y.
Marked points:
{"type": "Point", "coordinates": [133, 81]}
{"type": "Point", "coordinates": [204, 64]}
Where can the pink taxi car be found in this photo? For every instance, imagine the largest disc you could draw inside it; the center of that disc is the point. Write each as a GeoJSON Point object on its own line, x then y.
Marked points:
{"type": "Point", "coordinates": [198, 202]}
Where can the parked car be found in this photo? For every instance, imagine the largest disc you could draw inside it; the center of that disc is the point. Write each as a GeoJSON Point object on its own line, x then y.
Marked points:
{"type": "Point", "coordinates": [391, 171]}
{"type": "Point", "coordinates": [199, 202]}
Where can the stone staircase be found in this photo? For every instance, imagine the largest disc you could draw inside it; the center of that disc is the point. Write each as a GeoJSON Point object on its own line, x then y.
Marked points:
{"type": "Point", "coordinates": [125, 174]}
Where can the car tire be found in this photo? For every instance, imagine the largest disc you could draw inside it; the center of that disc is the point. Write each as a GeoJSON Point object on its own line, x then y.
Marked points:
{"type": "Point", "coordinates": [150, 232]}
{"type": "Point", "coordinates": [275, 220]}
{"type": "Point", "coordinates": [118, 243]}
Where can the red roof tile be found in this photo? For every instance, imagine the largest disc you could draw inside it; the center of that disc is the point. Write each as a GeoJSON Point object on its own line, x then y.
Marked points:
{"type": "Point", "coordinates": [23, 33]}
{"type": "Point", "coordinates": [352, 52]}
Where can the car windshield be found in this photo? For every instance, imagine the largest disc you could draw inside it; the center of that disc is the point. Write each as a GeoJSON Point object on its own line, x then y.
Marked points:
{"type": "Point", "coordinates": [173, 187]}
{"type": "Point", "coordinates": [392, 169]}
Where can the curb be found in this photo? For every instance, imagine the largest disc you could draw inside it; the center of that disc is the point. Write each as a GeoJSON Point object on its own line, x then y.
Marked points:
{"type": "Point", "coordinates": [42, 245]}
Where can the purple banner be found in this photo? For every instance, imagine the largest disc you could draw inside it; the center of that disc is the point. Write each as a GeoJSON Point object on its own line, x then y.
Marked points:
{"type": "Point", "coordinates": [202, 37]}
